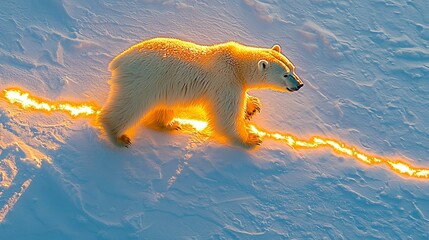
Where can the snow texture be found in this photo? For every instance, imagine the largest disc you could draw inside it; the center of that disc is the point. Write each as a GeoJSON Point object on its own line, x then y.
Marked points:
{"type": "Point", "coordinates": [365, 65]}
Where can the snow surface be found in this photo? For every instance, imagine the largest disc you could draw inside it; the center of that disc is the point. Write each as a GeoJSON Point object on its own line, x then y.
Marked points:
{"type": "Point", "coordinates": [365, 65]}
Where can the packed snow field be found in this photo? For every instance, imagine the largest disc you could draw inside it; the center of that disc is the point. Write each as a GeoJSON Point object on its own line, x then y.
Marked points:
{"type": "Point", "coordinates": [365, 65]}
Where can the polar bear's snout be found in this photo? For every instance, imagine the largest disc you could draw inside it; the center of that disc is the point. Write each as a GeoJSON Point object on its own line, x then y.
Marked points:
{"type": "Point", "coordinates": [296, 82]}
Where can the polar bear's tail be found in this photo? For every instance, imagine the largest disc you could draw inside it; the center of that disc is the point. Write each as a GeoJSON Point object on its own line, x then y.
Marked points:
{"type": "Point", "coordinates": [115, 63]}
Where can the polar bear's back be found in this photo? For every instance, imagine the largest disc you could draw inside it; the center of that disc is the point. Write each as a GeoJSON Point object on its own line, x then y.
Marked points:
{"type": "Point", "coordinates": [168, 71]}
{"type": "Point", "coordinates": [163, 48]}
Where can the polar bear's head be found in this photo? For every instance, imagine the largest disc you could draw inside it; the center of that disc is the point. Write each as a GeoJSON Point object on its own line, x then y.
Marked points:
{"type": "Point", "coordinates": [278, 72]}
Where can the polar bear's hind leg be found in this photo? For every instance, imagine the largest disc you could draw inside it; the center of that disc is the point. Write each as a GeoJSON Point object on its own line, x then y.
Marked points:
{"type": "Point", "coordinates": [121, 113]}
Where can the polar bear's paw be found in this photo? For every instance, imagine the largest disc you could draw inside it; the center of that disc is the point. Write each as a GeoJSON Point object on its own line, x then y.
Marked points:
{"type": "Point", "coordinates": [254, 139]}
{"type": "Point", "coordinates": [124, 141]}
{"type": "Point", "coordinates": [253, 104]}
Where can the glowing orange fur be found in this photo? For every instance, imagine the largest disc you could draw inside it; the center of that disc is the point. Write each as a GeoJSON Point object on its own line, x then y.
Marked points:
{"type": "Point", "coordinates": [400, 167]}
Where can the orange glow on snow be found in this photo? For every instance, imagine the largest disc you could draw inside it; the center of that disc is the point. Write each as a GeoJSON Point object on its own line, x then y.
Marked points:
{"type": "Point", "coordinates": [196, 124]}
{"type": "Point", "coordinates": [195, 118]}
{"type": "Point", "coordinates": [28, 102]}
{"type": "Point", "coordinates": [399, 167]}
{"type": "Point", "coordinates": [340, 148]}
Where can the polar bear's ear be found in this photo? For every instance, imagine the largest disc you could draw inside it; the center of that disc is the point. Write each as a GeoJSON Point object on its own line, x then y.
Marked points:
{"type": "Point", "coordinates": [262, 65]}
{"type": "Point", "coordinates": [277, 48]}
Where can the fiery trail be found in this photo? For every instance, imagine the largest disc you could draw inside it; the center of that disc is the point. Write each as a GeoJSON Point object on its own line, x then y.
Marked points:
{"type": "Point", "coordinates": [196, 124]}
{"type": "Point", "coordinates": [27, 102]}
{"type": "Point", "coordinates": [397, 166]}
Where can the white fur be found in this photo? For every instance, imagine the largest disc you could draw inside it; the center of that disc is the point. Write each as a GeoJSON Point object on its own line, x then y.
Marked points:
{"type": "Point", "coordinates": [167, 73]}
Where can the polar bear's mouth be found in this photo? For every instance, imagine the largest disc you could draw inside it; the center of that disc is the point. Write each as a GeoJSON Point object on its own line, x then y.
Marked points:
{"type": "Point", "coordinates": [293, 89]}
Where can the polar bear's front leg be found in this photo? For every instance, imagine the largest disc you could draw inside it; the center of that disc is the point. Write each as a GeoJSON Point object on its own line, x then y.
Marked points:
{"type": "Point", "coordinates": [253, 104]}
{"type": "Point", "coordinates": [229, 111]}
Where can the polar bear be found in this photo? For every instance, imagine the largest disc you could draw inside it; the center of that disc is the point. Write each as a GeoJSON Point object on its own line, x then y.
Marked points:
{"type": "Point", "coordinates": [162, 74]}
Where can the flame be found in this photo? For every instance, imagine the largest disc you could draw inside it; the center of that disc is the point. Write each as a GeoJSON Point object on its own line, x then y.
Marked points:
{"type": "Point", "coordinates": [196, 124]}
{"type": "Point", "coordinates": [194, 117]}
{"type": "Point", "coordinates": [397, 166]}
{"type": "Point", "coordinates": [26, 102]}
